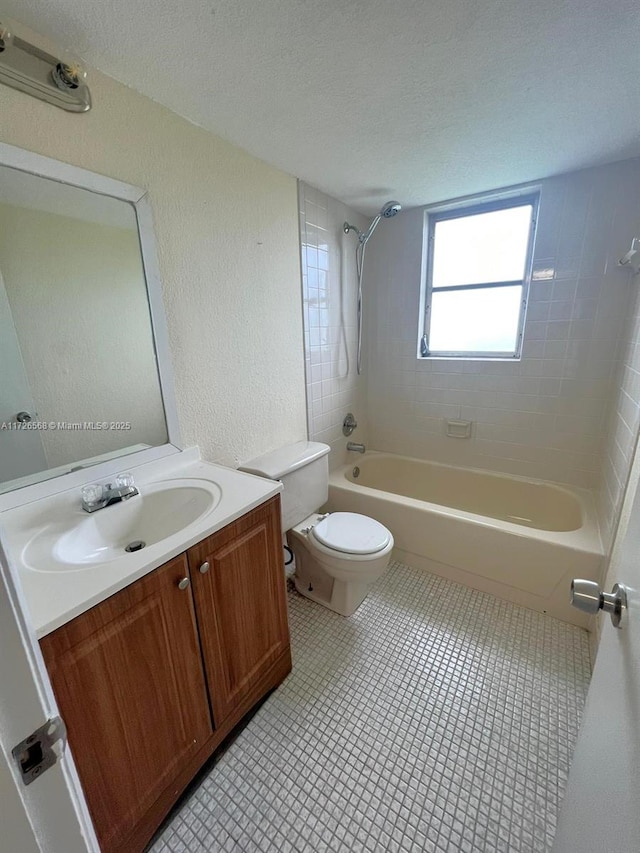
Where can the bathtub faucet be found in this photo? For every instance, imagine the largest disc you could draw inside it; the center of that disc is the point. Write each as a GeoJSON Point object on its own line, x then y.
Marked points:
{"type": "Point", "coordinates": [359, 448]}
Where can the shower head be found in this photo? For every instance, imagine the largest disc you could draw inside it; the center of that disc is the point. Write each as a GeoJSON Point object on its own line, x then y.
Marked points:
{"type": "Point", "coordinates": [390, 209]}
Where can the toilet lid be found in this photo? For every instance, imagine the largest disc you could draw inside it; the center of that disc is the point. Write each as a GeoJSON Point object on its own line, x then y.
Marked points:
{"type": "Point", "coordinates": [352, 533]}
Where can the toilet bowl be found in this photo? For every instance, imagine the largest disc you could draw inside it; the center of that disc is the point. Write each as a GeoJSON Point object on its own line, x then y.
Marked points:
{"type": "Point", "coordinates": [338, 557]}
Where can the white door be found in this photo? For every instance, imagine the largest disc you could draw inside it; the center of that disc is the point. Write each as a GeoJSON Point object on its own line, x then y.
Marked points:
{"type": "Point", "coordinates": [601, 809]}
{"type": "Point", "coordinates": [49, 815]}
{"type": "Point", "coordinates": [21, 451]}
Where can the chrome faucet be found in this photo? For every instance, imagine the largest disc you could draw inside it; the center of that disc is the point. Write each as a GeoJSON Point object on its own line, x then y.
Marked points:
{"type": "Point", "coordinates": [353, 445]}
{"type": "Point", "coordinates": [95, 496]}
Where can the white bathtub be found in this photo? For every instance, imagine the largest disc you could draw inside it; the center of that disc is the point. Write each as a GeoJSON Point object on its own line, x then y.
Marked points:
{"type": "Point", "coordinates": [521, 540]}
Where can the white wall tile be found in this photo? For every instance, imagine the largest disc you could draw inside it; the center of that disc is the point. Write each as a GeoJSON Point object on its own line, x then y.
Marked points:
{"type": "Point", "coordinates": [568, 410]}
{"type": "Point", "coordinates": [329, 313]}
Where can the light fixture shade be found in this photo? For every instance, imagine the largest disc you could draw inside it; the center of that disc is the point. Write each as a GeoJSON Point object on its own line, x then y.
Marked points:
{"type": "Point", "coordinates": [58, 80]}
{"type": "Point", "coordinates": [69, 72]}
{"type": "Point", "coordinates": [6, 37]}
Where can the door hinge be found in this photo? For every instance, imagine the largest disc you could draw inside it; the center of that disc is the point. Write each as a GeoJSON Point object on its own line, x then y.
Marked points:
{"type": "Point", "coordinates": [37, 753]}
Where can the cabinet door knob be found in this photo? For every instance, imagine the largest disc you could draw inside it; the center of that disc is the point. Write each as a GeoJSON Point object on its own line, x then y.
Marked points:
{"type": "Point", "coordinates": [204, 568]}
{"type": "Point", "coordinates": [184, 583]}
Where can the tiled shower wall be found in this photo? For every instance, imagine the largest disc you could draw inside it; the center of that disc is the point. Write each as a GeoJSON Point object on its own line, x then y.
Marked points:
{"type": "Point", "coordinates": [329, 305]}
{"type": "Point", "coordinates": [623, 421]}
{"type": "Point", "coordinates": [545, 416]}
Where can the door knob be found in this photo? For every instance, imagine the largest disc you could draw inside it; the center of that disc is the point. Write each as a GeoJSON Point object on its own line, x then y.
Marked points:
{"type": "Point", "coordinates": [184, 583]}
{"type": "Point", "coordinates": [588, 597]}
{"type": "Point", "coordinates": [204, 568]}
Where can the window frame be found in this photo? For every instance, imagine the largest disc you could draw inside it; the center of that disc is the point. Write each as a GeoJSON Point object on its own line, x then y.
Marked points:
{"type": "Point", "coordinates": [441, 213]}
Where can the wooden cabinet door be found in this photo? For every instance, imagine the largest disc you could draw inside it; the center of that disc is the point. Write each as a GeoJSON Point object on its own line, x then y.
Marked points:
{"type": "Point", "coordinates": [128, 678]}
{"type": "Point", "coordinates": [240, 604]}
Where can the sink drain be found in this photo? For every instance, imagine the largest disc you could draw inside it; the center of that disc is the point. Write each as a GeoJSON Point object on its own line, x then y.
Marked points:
{"type": "Point", "coordinates": [136, 545]}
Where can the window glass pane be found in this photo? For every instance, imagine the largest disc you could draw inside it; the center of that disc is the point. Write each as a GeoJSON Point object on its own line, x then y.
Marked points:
{"type": "Point", "coordinates": [475, 320]}
{"type": "Point", "coordinates": [484, 247]}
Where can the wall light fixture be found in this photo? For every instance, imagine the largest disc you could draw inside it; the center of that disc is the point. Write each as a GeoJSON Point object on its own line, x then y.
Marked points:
{"type": "Point", "coordinates": [59, 81]}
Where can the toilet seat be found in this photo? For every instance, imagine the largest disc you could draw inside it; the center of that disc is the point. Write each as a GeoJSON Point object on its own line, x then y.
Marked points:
{"type": "Point", "coordinates": [351, 533]}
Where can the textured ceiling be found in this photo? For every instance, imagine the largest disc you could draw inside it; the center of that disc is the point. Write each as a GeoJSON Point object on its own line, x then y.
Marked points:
{"type": "Point", "coordinates": [372, 99]}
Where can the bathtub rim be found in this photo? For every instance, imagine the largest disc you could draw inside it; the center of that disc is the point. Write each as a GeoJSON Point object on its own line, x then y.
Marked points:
{"type": "Point", "coordinates": [586, 538]}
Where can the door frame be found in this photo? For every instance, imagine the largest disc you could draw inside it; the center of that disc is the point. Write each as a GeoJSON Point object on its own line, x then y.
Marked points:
{"type": "Point", "coordinates": [49, 815]}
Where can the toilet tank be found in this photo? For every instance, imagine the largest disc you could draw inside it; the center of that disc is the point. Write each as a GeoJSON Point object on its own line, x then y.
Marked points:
{"type": "Point", "coordinates": [303, 469]}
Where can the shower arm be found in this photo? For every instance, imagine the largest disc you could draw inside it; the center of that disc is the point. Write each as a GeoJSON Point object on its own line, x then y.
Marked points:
{"type": "Point", "coordinates": [374, 224]}
{"type": "Point", "coordinates": [347, 228]}
{"type": "Point", "coordinates": [363, 237]}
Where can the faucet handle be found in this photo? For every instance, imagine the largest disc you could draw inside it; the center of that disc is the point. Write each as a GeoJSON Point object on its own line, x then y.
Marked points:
{"type": "Point", "coordinates": [92, 494]}
{"type": "Point", "coordinates": [124, 480]}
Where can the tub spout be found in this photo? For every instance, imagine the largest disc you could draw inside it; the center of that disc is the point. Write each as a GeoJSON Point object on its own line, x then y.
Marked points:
{"type": "Point", "coordinates": [359, 448]}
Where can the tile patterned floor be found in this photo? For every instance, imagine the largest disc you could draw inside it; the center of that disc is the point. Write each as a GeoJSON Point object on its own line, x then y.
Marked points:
{"type": "Point", "coordinates": [436, 718]}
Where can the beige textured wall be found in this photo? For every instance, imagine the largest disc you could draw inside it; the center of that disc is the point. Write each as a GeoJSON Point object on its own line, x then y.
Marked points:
{"type": "Point", "coordinates": [56, 271]}
{"type": "Point", "coordinates": [227, 232]}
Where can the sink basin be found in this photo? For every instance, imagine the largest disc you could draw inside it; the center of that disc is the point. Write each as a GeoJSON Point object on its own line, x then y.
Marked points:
{"type": "Point", "coordinates": [82, 540]}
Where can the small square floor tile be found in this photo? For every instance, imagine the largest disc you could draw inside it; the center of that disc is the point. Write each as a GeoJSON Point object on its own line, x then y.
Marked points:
{"type": "Point", "coordinates": [436, 718]}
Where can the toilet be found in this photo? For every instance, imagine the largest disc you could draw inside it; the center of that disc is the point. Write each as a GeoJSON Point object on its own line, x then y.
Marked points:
{"type": "Point", "coordinates": [338, 555]}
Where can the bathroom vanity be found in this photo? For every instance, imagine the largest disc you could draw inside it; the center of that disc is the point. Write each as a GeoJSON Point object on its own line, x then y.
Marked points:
{"type": "Point", "coordinates": [150, 681]}
{"type": "Point", "coordinates": [154, 655]}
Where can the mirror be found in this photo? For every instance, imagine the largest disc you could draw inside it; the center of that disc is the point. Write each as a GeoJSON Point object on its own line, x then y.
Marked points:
{"type": "Point", "coordinates": [79, 381]}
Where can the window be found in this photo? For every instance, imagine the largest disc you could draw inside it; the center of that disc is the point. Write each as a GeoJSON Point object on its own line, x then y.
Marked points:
{"type": "Point", "coordinates": [478, 262]}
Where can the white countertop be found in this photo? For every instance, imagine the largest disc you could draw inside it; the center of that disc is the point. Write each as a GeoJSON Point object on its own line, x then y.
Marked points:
{"type": "Point", "coordinates": [55, 597]}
